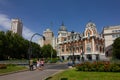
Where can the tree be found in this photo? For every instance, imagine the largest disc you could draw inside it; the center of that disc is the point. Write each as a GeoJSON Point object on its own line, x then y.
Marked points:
{"type": "Point", "coordinates": [36, 50]}
{"type": "Point", "coordinates": [2, 44]}
{"type": "Point", "coordinates": [54, 53]}
{"type": "Point", "coordinates": [47, 50]}
{"type": "Point", "coordinates": [116, 48]}
{"type": "Point", "coordinates": [15, 46]}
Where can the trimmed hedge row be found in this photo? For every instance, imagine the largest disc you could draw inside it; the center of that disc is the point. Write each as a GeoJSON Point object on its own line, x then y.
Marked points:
{"type": "Point", "coordinates": [99, 67]}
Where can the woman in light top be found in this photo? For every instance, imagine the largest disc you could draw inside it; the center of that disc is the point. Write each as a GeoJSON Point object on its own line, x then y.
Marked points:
{"type": "Point", "coordinates": [38, 64]}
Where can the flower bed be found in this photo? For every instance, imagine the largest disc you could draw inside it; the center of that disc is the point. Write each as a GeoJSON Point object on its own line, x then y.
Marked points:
{"type": "Point", "coordinates": [104, 66]}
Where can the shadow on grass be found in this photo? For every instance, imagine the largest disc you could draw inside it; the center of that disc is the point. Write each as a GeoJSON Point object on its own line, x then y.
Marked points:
{"type": "Point", "coordinates": [48, 78]}
{"type": "Point", "coordinates": [60, 79]}
{"type": "Point", "coordinates": [64, 79]}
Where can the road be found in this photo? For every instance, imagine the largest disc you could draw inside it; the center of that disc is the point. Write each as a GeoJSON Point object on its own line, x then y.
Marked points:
{"type": "Point", "coordinates": [49, 70]}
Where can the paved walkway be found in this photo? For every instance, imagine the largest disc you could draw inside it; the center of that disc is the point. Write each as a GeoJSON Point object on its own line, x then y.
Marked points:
{"type": "Point", "coordinates": [49, 69]}
{"type": "Point", "coordinates": [30, 75]}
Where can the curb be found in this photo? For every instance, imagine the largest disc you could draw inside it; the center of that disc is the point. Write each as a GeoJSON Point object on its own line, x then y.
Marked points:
{"type": "Point", "coordinates": [13, 72]}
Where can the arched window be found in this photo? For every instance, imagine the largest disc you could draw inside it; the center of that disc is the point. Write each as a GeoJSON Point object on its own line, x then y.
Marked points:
{"type": "Point", "coordinates": [88, 49]}
{"type": "Point", "coordinates": [96, 47]}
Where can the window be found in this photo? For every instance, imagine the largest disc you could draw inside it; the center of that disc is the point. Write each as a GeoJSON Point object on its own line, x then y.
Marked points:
{"type": "Point", "coordinates": [113, 35]}
{"type": "Point", "coordinates": [113, 31]}
{"type": "Point", "coordinates": [88, 49]}
{"type": "Point", "coordinates": [117, 35]}
{"type": "Point", "coordinates": [62, 50]}
{"type": "Point", "coordinates": [66, 49]}
{"type": "Point", "coordinates": [63, 34]}
{"type": "Point", "coordinates": [65, 39]}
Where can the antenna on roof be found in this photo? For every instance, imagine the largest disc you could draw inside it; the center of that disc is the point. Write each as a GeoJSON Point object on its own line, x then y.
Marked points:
{"type": "Point", "coordinates": [62, 23]}
{"type": "Point", "coordinates": [51, 25]}
{"type": "Point", "coordinates": [90, 20]}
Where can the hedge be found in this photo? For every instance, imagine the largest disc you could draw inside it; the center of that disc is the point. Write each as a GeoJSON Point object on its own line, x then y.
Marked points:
{"type": "Point", "coordinates": [103, 66]}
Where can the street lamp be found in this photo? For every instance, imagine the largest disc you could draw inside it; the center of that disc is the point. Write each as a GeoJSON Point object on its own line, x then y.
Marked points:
{"type": "Point", "coordinates": [30, 46]}
{"type": "Point", "coordinates": [73, 56]}
{"type": "Point", "coordinates": [82, 53]}
{"type": "Point", "coordinates": [51, 53]}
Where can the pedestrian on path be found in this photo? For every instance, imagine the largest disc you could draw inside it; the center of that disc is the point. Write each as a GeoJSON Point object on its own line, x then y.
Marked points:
{"type": "Point", "coordinates": [31, 65]}
{"type": "Point", "coordinates": [42, 63]}
{"type": "Point", "coordinates": [38, 64]}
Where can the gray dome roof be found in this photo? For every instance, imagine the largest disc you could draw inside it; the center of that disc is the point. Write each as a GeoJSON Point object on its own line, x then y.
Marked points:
{"type": "Point", "coordinates": [48, 30]}
{"type": "Point", "coordinates": [62, 28]}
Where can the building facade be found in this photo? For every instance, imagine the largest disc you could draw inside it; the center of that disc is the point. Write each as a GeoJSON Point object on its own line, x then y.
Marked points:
{"type": "Point", "coordinates": [110, 33]}
{"type": "Point", "coordinates": [16, 26]}
{"type": "Point", "coordinates": [49, 39]}
{"type": "Point", "coordinates": [89, 45]}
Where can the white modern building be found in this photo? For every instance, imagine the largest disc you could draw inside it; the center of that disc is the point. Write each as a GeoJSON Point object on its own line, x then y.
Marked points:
{"type": "Point", "coordinates": [16, 26]}
{"type": "Point", "coordinates": [110, 33]}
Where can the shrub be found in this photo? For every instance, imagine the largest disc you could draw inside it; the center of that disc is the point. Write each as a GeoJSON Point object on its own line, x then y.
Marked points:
{"type": "Point", "coordinates": [98, 66]}
{"type": "Point", "coordinates": [3, 66]}
{"type": "Point", "coordinates": [115, 68]}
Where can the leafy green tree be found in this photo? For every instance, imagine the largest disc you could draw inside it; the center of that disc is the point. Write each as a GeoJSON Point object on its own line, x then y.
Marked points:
{"type": "Point", "coordinates": [47, 51]}
{"type": "Point", "coordinates": [54, 55]}
{"type": "Point", "coordinates": [116, 48]}
{"type": "Point", "coordinates": [2, 44]}
{"type": "Point", "coordinates": [36, 50]}
{"type": "Point", "coordinates": [15, 46]}
{"type": "Point", "coordinates": [8, 44]}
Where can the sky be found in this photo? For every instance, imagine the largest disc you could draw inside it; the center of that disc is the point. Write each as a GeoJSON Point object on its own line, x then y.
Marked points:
{"type": "Point", "coordinates": [38, 15]}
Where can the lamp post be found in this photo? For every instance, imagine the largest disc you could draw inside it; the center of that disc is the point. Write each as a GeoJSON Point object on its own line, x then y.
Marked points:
{"type": "Point", "coordinates": [82, 53]}
{"type": "Point", "coordinates": [73, 56]}
{"type": "Point", "coordinates": [51, 53]}
{"type": "Point", "coordinates": [30, 46]}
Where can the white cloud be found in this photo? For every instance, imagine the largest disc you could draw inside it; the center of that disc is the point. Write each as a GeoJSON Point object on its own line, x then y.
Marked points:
{"type": "Point", "coordinates": [27, 33]}
{"type": "Point", "coordinates": [5, 23]}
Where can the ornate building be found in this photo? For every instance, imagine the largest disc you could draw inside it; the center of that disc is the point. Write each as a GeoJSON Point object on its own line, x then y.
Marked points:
{"type": "Point", "coordinates": [89, 45]}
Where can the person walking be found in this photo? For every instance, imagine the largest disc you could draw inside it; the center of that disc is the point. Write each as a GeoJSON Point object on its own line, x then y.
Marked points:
{"type": "Point", "coordinates": [31, 64]}
{"type": "Point", "coordinates": [42, 63]}
{"type": "Point", "coordinates": [38, 64]}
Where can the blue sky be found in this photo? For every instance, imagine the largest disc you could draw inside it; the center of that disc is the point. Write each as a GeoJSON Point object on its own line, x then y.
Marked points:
{"type": "Point", "coordinates": [37, 15]}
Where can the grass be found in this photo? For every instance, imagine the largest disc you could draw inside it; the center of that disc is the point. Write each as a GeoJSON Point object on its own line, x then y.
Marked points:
{"type": "Point", "coordinates": [72, 74]}
{"type": "Point", "coordinates": [12, 69]}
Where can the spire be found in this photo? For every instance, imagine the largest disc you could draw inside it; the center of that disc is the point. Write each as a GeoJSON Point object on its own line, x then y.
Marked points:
{"type": "Point", "coordinates": [62, 23]}
{"type": "Point", "coordinates": [90, 20]}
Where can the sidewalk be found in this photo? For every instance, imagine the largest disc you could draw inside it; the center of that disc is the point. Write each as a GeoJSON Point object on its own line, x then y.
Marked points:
{"type": "Point", "coordinates": [30, 75]}
{"type": "Point", "coordinates": [49, 70]}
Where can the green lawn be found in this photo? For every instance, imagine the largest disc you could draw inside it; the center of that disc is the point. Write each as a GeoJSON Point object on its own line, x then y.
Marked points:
{"type": "Point", "coordinates": [72, 74]}
{"type": "Point", "coordinates": [12, 69]}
